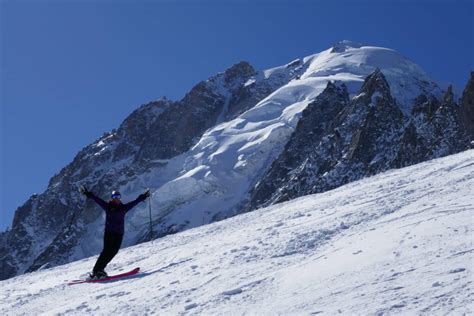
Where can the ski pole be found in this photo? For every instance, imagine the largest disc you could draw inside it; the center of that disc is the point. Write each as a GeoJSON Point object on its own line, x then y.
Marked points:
{"type": "Point", "coordinates": [151, 225]}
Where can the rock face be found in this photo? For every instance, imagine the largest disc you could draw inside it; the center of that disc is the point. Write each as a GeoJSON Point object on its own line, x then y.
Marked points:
{"type": "Point", "coordinates": [180, 126]}
{"type": "Point", "coordinates": [339, 140]}
{"type": "Point", "coordinates": [270, 135]}
{"type": "Point", "coordinates": [467, 108]}
{"type": "Point", "coordinates": [48, 226]}
{"type": "Point", "coordinates": [292, 170]}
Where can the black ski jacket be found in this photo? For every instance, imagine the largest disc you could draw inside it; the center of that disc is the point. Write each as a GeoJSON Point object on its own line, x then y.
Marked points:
{"type": "Point", "coordinates": [115, 212]}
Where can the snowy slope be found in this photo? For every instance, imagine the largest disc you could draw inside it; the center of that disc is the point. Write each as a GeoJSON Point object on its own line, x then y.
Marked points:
{"type": "Point", "coordinates": [398, 242]}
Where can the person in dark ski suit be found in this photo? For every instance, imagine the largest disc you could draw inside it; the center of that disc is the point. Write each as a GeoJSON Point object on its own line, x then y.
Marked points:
{"type": "Point", "coordinates": [115, 212]}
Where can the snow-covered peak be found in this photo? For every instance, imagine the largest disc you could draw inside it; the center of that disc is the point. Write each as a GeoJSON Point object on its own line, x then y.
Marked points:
{"type": "Point", "coordinates": [343, 45]}
{"type": "Point", "coordinates": [353, 62]}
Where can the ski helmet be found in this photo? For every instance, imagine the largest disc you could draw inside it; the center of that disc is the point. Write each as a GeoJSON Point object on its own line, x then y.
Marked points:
{"type": "Point", "coordinates": [116, 195]}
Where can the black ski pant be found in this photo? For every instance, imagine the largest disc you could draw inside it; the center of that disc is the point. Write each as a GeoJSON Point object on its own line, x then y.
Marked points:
{"type": "Point", "coordinates": [112, 243]}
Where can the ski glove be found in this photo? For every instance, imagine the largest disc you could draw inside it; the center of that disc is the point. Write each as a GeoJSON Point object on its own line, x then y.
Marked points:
{"type": "Point", "coordinates": [84, 191]}
{"type": "Point", "coordinates": [143, 196]}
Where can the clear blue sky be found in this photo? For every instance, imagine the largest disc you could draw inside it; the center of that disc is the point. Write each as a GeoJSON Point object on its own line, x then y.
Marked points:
{"type": "Point", "coordinates": [72, 71]}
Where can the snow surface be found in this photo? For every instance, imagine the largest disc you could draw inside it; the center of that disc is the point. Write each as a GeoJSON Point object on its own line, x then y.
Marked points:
{"type": "Point", "coordinates": [399, 242]}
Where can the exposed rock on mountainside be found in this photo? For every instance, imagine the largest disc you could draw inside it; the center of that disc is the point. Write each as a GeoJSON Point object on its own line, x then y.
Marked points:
{"type": "Point", "coordinates": [339, 140]}
{"type": "Point", "coordinates": [467, 107]}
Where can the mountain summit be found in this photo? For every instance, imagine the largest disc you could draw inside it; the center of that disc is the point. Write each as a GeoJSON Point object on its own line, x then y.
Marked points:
{"type": "Point", "coordinates": [242, 139]}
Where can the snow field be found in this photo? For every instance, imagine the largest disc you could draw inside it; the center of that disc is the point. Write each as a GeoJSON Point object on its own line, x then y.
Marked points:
{"type": "Point", "coordinates": [399, 242]}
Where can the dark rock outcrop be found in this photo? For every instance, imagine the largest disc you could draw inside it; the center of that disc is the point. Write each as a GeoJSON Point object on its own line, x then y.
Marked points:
{"type": "Point", "coordinates": [467, 108]}
{"type": "Point", "coordinates": [338, 140]}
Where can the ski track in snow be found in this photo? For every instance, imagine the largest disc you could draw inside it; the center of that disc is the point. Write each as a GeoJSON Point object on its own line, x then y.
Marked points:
{"type": "Point", "coordinates": [399, 242]}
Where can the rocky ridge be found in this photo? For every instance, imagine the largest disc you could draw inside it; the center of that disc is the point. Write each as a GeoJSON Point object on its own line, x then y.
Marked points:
{"type": "Point", "coordinates": [339, 140]}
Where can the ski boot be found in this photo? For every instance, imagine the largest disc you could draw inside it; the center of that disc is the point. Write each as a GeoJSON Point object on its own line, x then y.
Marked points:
{"type": "Point", "coordinates": [97, 275]}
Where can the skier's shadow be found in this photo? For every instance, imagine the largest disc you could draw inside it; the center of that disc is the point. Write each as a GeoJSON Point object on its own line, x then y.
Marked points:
{"type": "Point", "coordinates": [147, 273]}
{"type": "Point", "coordinates": [163, 269]}
{"type": "Point", "coordinates": [130, 277]}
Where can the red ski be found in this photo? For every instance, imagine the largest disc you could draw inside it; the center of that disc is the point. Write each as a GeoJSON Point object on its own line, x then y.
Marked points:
{"type": "Point", "coordinates": [109, 278]}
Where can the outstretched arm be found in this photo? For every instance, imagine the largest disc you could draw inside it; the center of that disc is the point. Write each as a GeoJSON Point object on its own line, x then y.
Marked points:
{"type": "Point", "coordinates": [96, 199]}
{"type": "Point", "coordinates": [142, 197]}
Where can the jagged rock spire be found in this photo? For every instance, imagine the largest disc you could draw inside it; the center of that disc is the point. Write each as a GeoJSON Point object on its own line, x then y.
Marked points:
{"type": "Point", "coordinates": [376, 83]}
{"type": "Point", "coordinates": [467, 107]}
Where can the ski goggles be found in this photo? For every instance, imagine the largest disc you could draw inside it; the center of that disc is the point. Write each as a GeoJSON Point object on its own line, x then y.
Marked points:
{"type": "Point", "coordinates": [116, 196]}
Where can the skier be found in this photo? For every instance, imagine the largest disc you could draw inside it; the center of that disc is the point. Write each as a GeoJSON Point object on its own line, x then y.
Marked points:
{"type": "Point", "coordinates": [114, 227]}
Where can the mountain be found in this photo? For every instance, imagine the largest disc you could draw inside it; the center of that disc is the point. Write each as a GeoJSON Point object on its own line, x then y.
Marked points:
{"type": "Point", "coordinates": [396, 243]}
{"type": "Point", "coordinates": [340, 139]}
{"type": "Point", "coordinates": [240, 140]}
